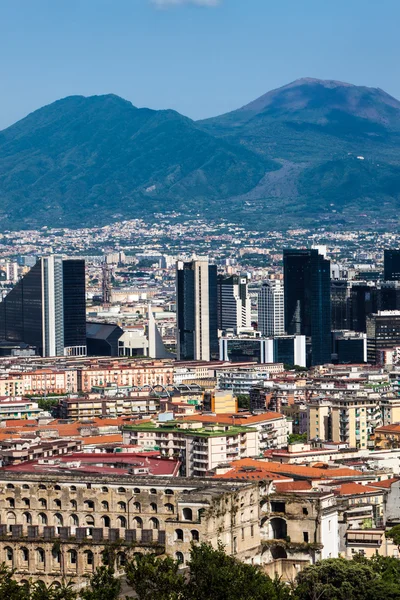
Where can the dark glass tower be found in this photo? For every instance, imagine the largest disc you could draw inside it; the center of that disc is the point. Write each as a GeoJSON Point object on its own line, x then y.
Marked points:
{"type": "Point", "coordinates": [364, 301]}
{"type": "Point", "coordinates": [196, 310]}
{"type": "Point", "coordinates": [47, 308]}
{"type": "Point", "coordinates": [391, 268]}
{"type": "Point", "coordinates": [307, 300]}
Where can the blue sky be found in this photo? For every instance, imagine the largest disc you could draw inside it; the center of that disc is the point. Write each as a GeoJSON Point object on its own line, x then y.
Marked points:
{"type": "Point", "coordinates": [200, 57]}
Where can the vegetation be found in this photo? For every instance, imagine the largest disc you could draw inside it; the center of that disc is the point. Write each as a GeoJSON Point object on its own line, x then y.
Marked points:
{"type": "Point", "coordinates": [243, 401]}
{"type": "Point", "coordinates": [213, 575]}
{"type": "Point", "coordinates": [297, 438]}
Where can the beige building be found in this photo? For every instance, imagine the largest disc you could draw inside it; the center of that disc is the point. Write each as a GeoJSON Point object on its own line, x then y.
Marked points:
{"type": "Point", "coordinates": [201, 446]}
{"type": "Point", "coordinates": [136, 375]}
{"type": "Point", "coordinates": [56, 526]}
{"type": "Point", "coordinates": [108, 406]}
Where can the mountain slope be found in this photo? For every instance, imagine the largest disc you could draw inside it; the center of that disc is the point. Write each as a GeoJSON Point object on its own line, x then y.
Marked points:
{"type": "Point", "coordinates": [82, 161]}
{"type": "Point", "coordinates": [316, 130]}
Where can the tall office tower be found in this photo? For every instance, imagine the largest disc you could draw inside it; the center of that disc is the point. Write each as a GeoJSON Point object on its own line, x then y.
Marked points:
{"type": "Point", "coordinates": [196, 310]}
{"type": "Point", "coordinates": [383, 332]}
{"type": "Point", "coordinates": [271, 309]}
{"type": "Point", "coordinates": [340, 304]}
{"type": "Point", "coordinates": [47, 308]}
{"type": "Point", "coordinates": [364, 301]}
{"type": "Point", "coordinates": [391, 261]}
{"type": "Point", "coordinates": [234, 304]}
{"type": "Point", "coordinates": [308, 301]}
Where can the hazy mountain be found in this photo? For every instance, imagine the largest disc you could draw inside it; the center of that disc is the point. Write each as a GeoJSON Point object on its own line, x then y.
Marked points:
{"type": "Point", "coordinates": [83, 161]}
{"type": "Point", "coordinates": [310, 152]}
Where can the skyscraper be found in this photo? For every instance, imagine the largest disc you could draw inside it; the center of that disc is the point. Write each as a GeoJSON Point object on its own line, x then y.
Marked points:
{"type": "Point", "coordinates": [307, 300]}
{"type": "Point", "coordinates": [47, 308]}
{"type": "Point", "coordinates": [271, 309]}
{"type": "Point", "coordinates": [196, 310]}
{"type": "Point", "coordinates": [234, 304]}
{"type": "Point", "coordinates": [391, 267]}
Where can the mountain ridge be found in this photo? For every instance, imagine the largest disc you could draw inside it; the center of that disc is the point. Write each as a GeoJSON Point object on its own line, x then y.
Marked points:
{"type": "Point", "coordinates": [88, 160]}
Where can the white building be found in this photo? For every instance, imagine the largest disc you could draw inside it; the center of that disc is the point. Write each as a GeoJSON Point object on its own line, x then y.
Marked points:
{"type": "Point", "coordinates": [234, 303]}
{"type": "Point", "coordinates": [271, 310]}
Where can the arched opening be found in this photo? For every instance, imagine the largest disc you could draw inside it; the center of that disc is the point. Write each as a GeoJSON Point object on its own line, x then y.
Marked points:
{"type": "Point", "coordinates": [138, 523]}
{"type": "Point", "coordinates": [105, 505]}
{"type": "Point", "coordinates": [72, 558]}
{"type": "Point", "coordinates": [89, 520]}
{"type": "Point", "coordinates": [26, 502]}
{"type": "Point", "coordinates": [27, 518]}
{"type": "Point", "coordinates": [57, 503]}
{"type": "Point", "coordinates": [24, 557]}
{"type": "Point", "coordinates": [153, 507]}
{"type": "Point", "coordinates": [42, 502]}
{"type": "Point", "coordinates": [278, 529]}
{"type": "Point", "coordinates": [178, 535]}
{"type": "Point", "coordinates": [169, 492]}
{"type": "Point", "coordinates": [122, 506]}
{"type": "Point", "coordinates": [169, 508]}
{"type": "Point", "coordinates": [74, 504]}
{"type": "Point", "coordinates": [40, 558]}
{"type": "Point", "coordinates": [121, 490]}
{"type": "Point", "coordinates": [42, 518]}
{"type": "Point", "coordinates": [195, 535]}
{"type": "Point", "coordinates": [11, 520]}
{"type": "Point", "coordinates": [89, 505]}
{"type": "Point", "coordinates": [137, 507]}
{"type": "Point", "coordinates": [154, 524]}
{"type": "Point", "coordinates": [10, 502]}
{"type": "Point", "coordinates": [187, 514]}
{"type": "Point", "coordinates": [74, 521]}
{"type": "Point", "coordinates": [106, 521]}
{"type": "Point", "coordinates": [136, 490]}
{"type": "Point", "coordinates": [121, 521]}
{"type": "Point", "coordinates": [89, 560]}
{"type": "Point", "coordinates": [58, 520]}
{"type": "Point", "coordinates": [9, 556]}
{"type": "Point", "coordinates": [121, 560]}
{"type": "Point", "coordinates": [179, 557]}
{"type": "Point", "coordinates": [104, 490]}
{"type": "Point", "coordinates": [153, 491]}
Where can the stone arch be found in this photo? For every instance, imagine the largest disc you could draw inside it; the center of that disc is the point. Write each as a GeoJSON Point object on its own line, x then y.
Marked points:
{"type": "Point", "coordinates": [277, 528]}
{"type": "Point", "coordinates": [278, 552]}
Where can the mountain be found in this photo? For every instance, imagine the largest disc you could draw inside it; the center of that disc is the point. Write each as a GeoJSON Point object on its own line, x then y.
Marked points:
{"type": "Point", "coordinates": [309, 153]}
{"type": "Point", "coordinates": [83, 161]}
{"type": "Point", "coordinates": [338, 147]}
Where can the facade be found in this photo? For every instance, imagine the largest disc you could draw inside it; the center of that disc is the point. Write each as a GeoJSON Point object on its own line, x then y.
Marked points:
{"type": "Point", "coordinates": [241, 379]}
{"type": "Point", "coordinates": [47, 308]}
{"type": "Point", "coordinates": [196, 309]}
{"type": "Point", "coordinates": [18, 408]}
{"type": "Point", "coordinates": [383, 331]}
{"type": "Point", "coordinates": [307, 300]}
{"type": "Point", "coordinates": [392, 265]}
{"type": "Point", "coordinates": [138, 375]}
{"type": "Point", "coordinates": [110, 406]}
{"type": "Point", "coordinates": [201, 447]}
{"type": "Point", "coordinates": [340, 304]}
{"type": "Point", "coordinates": [234, 305]}
{"type": "Point", "coordinates": [55, 526]}
{"type": "Point", "coordinates": [271, 309]}
{"type": "Point", "coordinates": [286, 349]}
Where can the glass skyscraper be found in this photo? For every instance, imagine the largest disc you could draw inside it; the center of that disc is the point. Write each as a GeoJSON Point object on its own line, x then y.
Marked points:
{"type": "Point", "coordinates": [47, 308]}
{"type": "Point", "coordinates": [307, 300]}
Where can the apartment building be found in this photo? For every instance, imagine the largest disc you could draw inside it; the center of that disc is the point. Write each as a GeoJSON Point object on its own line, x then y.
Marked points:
{"type": "Point", "coordinates": [50, 381]}
{"type": "Point", "coordinates": [56, 526]}
{"type": "Point", "coordinates": [77, 408]}
{"type": "Point", "coordinates": [241, 379]}
{"type": "Point", "coordinates": [18, 408]}
{"type": "Point", "coordinates": [201, 446]}
{"type": "Point", "coordinates": [136, 375]}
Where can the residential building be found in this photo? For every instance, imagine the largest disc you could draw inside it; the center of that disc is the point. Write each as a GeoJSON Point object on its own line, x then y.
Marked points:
{"type": "Point", "coordinates": [271, 311]}
{"type": "Point", "coordinates": [79, 408]}
{"type": "Point", "coordinates": [241, 379]}
{"type": "Point", "coordinates": [307, 300]}
{"type": "Point", "coordinates": [201, 447]}
{"type": "Point", "coordinates": [18, 408]}
{"type": "Point", "coordinates": [196, 309]}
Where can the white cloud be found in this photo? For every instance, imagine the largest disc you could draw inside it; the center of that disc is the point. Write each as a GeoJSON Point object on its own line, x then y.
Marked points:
{"type": "Point", "coordinates": [168, 3]}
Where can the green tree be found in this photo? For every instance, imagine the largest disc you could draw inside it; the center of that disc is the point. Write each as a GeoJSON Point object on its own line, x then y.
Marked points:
{"type": "Point", "coordinates": [394, 535]}
{"type": "Point", "coordinates": [297, 438]}
{"type": "Point", "coordinates": [41, 591]}
{"type": "Point", "coordinates": [103, 585]}
{"type": "Point", "coordinates": [154, 578]}
{"type": "Point", "coordinates": [216, 576]}
{"type": "Point", "coordinates": [243, 401]}
{"type": "Point", "coordinates": [9, 588]}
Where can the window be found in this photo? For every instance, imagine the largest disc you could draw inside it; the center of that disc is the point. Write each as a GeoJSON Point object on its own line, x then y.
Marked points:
{"type": "Point", "coordinates": [153, 491]}
{"type": "Point", "coordinates": [187, 514]}
{"type": "Point", "coordinates": [42, 519]}
{"type": "Point", "coordinates": [10, 486]}
{"type": "Point", "coordinates": [74, 504]}
{"type": "Point", "coordinates": [27, 518]}
{"type": "Point", "coordinates": [252, 530]}
{"type": "Point", "coordinates": [179, 535]}
{"type": "Point", "coordinates": [25, 486]}
{"type": "Point", "coordinates": [42, 502]}
{"type": "Point", "coordinates": [179, 557]}
{"type": "Point", "coordinates": [57, 503]}
{"type": "Point", "coordinates": [89, 504]}
{"type": "Point", "coordinates": [195, 535]}
{"type": "Point", "coordinates": [153, 507]}
{"type": "Point", "coordinates": [26, 502]}
{"type": "Point", "coordinates": [121, 522]}
{"type": "Point", "coordinates": [277, 507]}
{"type": "Point", "coordinates": [137, 507]}
{"type": "Point", "coordinates": [122, 506]}
{"type": "Point", "coordinates": [24, 555]}
{"type": "Point", "coordinates": [121, 490]}
{"type": "Point", "coordinates": [138, 523]}
{"type": "Point", "coordinates": [169, 508]}
{"type": "Point", "coordinates": [154, 524]}
{"type": "Point", "coordinates": [169, 492]}
{"type": "Point", "coordinates": [89, 557]}
{"type": "Point", "coordinates": [305, 511]}
{"type": "Point", "coordinates": [74, 521]}
{"type": "Point", "coordinates": [89, 520]}
{"type": "Point", "coordinates": [136, 491]}
{"type": "Point", "coordinates": [57, 487]}
{"type": "Point", "coordinates": [104, 490]}
{"type": "Point", "coordinates": [73, 557]}
{"type": "Point", "coordinates": [40, 556]}
{"type": "Point", "coordinates": [106, 521]}
{"type": "Point", "coordinates": [305, 536]}
{"type": "Point", "coordinates": [72, 488]}
{"type": "Point", "coordinates": [58, 520]}
{"type": "Point", "coordinates": [104, 505]}
{"type": "Point", "coordinates": [42, 487]}
{"type": "Point", "coordinates": [10, 502]}
{"type": "Point", "coordinates": [9, 554]}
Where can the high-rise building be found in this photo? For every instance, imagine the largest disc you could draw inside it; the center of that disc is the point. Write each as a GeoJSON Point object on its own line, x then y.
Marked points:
{"type": "Point", "coordinates": [383, 332]}
{"type": "Point", "coordinates": [340, 304]}
{"type": "Point", "coordinates": [391, 265]}
{"type": "Point", "coordinates": [234, 304]}
{"type": "Point", "coordinates": [271, 309]}
{"type": "Point", "coordinates": [47, 308]}
{"type": "Point", "coordinates": [307, 300]}
{"type": "Point", "coordinates": [364, 301]}
{"type": "Point", "coordinates": [196, 310]}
